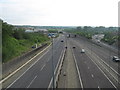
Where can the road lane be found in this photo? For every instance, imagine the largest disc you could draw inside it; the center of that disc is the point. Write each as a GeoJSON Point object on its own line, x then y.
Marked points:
{"type": "Point", "coordinates": [91, 76]}
{"type": "Point", "coordinates": [104, 53]}
{"type": "Point", "coordinates": [42, 69]}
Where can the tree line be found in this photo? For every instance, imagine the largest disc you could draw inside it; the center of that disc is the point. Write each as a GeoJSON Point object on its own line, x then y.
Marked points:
{"type": "Point", "coordinates": [15, 41]}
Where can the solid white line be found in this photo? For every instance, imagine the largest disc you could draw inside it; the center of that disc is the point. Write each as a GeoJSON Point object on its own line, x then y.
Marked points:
{"type": "Point", "coordinates": [22, 66]}
{"type": "Point", "coordinates": [27, 69]}
{"type": "Point", "coordinates": [103, 73]}
{"type": "Point", "coordinates": [106, 64]}
{"type": "Point", "coordinates": [100, 69]}
{"type": "Point", "coordinates": [42, 67]}
{"type": "Point", "coordinates": [31, 82]}
{"type": "Point", "coordinates": [49, 86]}
{"type": "Point", "coordinates": [103, 62]}
{"type": "Point", "coordinates": [58, 62]}
{"type": "Point", "coordinates": [55, 70]}
{"type": "Point", "coordinates": [80, 79]}
{"type": "Point", "coordinates": [108, 70]}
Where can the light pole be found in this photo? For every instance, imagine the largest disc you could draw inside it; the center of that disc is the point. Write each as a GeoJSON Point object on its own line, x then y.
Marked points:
{"type": "Point", "coordinates": [53, 65]}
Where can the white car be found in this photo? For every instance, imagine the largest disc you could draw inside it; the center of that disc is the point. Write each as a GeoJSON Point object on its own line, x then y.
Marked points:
{"type": "Point", "coordinates": [82, 50]}
{"type": "Point", "coordinates": [116, 59]}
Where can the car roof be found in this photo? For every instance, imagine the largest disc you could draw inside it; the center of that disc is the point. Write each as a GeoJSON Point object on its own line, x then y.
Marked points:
{"type": "Point", "coordinates": [115, 56]}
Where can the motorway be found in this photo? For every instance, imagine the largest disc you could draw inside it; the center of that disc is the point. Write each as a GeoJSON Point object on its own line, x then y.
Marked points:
{"type": "Point", "coordinates": [39, 74]}
{"type": "Point", "coordinates": [92, 74]}
{"type": "Point", "coordinates": [104, 53]}
{"type": "Point", "coordinates": [91, 69]}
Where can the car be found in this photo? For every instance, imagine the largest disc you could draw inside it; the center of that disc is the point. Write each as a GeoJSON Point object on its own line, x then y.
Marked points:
{"type": "Point", "coordinates": [73, 47]}
{"type": "Point", "coordinates": [62, 41]}
{"type": "Point", "coordinates": [82, 50]}
{"type": "Point", "coordinates": [116, 59]}
{"type": "Point", "coordinates": [98, 41]}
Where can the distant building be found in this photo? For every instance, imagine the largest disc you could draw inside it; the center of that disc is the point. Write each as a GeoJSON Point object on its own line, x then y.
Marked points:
{"type": "Point", "coordinates": [44, 31]}
{"type": "Point", "coordinates": [29, 30]}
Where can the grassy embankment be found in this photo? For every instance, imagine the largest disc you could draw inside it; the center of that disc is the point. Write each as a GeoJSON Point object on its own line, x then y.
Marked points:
{"type": "Point", "coordinates": [15, 42]}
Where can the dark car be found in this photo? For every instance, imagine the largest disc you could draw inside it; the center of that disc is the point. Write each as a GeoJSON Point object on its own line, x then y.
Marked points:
{"type": "Point", "coordinates": [73, 47]}
{"type": "Point", "coordinates": [116, 59]}
{"type": "Point", "coordinates": [62, 41]}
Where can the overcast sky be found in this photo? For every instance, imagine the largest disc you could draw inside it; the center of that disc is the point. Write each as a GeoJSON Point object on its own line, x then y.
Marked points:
{"type": "Point", "coordinates": [60, 12]}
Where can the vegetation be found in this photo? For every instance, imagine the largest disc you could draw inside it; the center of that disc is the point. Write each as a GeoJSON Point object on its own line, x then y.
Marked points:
{"type": "Point", "coordinates": [111, 33]}
{"type": "Point", "coordinates": [16, 41]}
{"type": "Point", "coordinates": [110, 37]}
{"type": "Point", "coordinates": [53, 30]}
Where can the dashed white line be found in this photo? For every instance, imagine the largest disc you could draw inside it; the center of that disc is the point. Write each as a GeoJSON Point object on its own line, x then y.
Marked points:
{"type": "Point", "coordinates": [88, 67]}
{"type": "Point", "coordinates": [92, 75]}
{"type": "Point", "coordinates": [27, 69]}
{"type": "Point", "coordinates": [78, 71]}
{"type": "Point", "coordinates": [31, 81]}
{"type": "Point", "coordinates": [106, 63]}
{"type": "Point", "coordinates": [103, 73]}
{"type": "Point", "coordinates": [61, 56]}
{"type": "Point", "coordinates": [23, 65]}
{"type": "Point", "coordinates": [42, 67]}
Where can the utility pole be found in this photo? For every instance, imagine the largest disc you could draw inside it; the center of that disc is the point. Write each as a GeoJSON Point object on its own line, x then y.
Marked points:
{"type": "Point", "coordinates": [53, 66]}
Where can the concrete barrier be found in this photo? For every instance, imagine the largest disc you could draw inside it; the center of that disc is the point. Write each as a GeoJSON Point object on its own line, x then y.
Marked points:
{"type": "Point", "coordinates": [57, 72]}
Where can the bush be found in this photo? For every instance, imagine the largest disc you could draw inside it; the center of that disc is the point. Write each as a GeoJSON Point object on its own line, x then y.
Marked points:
{"type": "Point", "coordinates": [16, 42]}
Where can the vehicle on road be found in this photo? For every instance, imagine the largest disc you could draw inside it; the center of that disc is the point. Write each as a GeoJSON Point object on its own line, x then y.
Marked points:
{"type": "Point", "coordinates": [73, 47]}
{"type": "Point", "coordinates": [116, 59]}
{"type": "Point", "coordinates": [62, 41]}
{"type": "Point", "coordinates": [98, 41]}
{"type": "Point", "coordinates": [82, 50]}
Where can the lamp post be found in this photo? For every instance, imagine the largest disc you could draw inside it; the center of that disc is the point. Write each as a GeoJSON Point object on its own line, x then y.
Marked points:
{"type": "Point", "coordinates": [53, 65]}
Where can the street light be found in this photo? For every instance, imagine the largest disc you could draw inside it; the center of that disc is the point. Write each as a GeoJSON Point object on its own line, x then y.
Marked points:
{"type": "Point", "coordinates": [53, 65]}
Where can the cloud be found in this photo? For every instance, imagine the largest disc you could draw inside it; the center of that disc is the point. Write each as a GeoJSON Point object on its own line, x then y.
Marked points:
{"type": "Point", "coordinates": [60, 12]}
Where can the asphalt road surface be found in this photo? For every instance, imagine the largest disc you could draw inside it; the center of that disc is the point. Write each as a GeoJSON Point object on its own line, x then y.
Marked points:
{"type": "Point", "coordinates": [91, 74]}
{"type": "Point", "coordinates": [40, 74]}
{"type": "Point", "coordinates": [104, 53]}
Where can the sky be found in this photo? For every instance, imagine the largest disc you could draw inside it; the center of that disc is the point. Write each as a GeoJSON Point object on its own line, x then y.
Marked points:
{"type": "Point", "coordinates": [60, 12]}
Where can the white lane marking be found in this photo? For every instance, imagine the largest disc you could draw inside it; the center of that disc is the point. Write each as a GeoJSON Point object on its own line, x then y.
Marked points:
{"type": "Point", "coordinates": [22, 66]}
{"type": "Point", "coordinates": [88, 67]}
{"type": "Point", "coordinates": [80, 79]}
{"type": "Point", "coordinates": [49, 86]}
{"type": "Point", "coordinates": [92, 75]}
{"type": "Point", "coordinates": [108, 70]}
{"type": "Point", "coordinates": [102, 60]}
{"type": "Point", "coordinates": [42, 67]}
{"type": "Point", "coordinates": [105, 63]}
{"type": "Point", "coordinates": [101, 70]}
{"type": "Point", "coordinates": [31, 82]}
{"type": "Point", "coordinates": [27, 69]}
{"type": "Point", "coordinates": [103, 73]}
